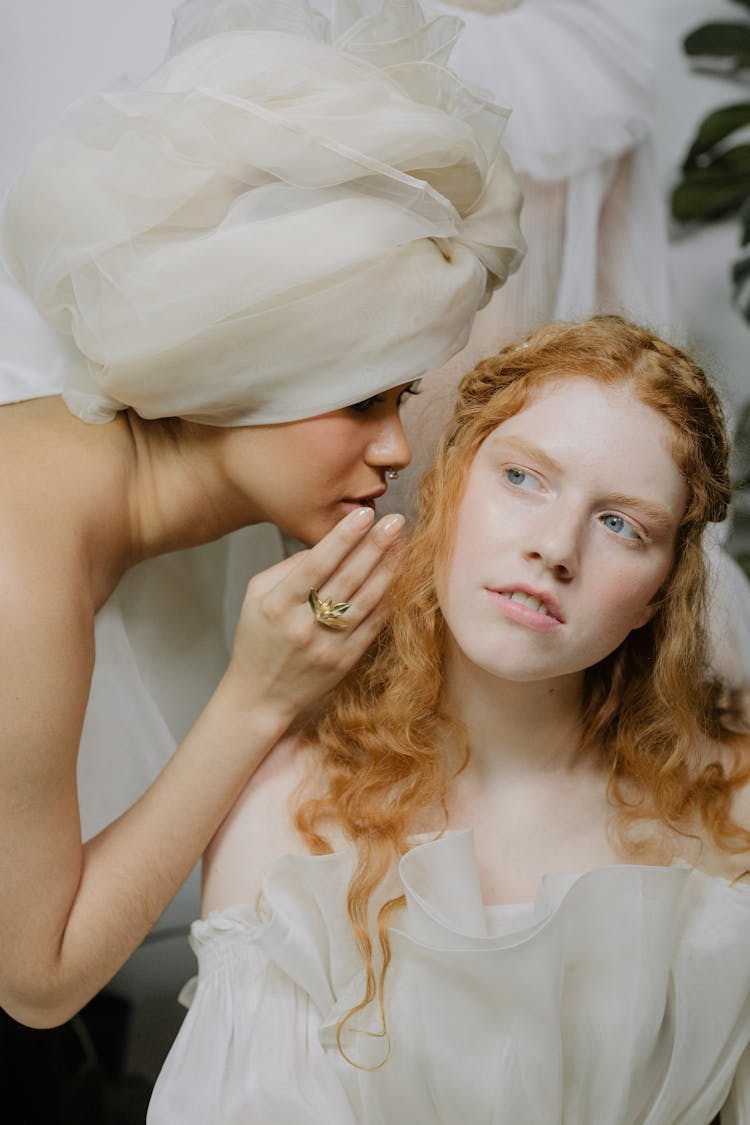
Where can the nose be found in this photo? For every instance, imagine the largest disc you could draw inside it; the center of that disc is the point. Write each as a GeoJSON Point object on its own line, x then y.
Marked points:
{"type": "Point", "coordinates": [554, 541]}
{"type": "Point", "coordinates": [389, 447]}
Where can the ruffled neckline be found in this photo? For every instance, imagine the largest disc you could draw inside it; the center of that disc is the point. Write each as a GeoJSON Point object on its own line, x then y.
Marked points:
{"type": "Point", "coordinates": [622, 994]}
{"type": "Point", "coordinates": [439, 878]}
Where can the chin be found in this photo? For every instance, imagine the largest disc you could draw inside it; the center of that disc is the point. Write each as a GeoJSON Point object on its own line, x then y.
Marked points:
{"type": "Point", "coordinates": [300, 536]}
{"type": "Point", "coordinates": [512, 664]}
{"type": "Point", "coordinates": [309, 531]}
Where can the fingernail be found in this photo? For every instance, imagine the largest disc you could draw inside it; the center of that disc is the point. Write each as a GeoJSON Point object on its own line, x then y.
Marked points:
{"type": "Point", "coordinates": [392, 525]}
{"type": "Point", "coordinates": [362, 515]}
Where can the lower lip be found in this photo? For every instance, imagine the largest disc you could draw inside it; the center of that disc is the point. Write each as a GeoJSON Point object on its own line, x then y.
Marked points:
{"type": "Point", "coordinates": [352, 505]}
{"type": "Point", "coordinates": [523, 614]}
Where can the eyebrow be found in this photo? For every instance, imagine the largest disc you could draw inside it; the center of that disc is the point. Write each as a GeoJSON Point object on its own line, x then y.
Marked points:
{"type": "Point", "coordinates": [528, 449]}
{"type": "Point", "coordinates": [657, 515]}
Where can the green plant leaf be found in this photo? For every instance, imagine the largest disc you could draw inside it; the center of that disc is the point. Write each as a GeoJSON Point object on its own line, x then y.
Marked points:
{"type": "Point", "coordinates": [741, 271]}
{"type": "Point", "coordinates": [741, 456]}
{"type": "Point", "coordinates": [715, 190]}
{"type": "Point", "coordinates": [691, 204]}
{"type": "Point", "coordinates": [725, 40]}
{"type": "Point", "coordinates": [744, 561]}
{"type": "Point", "coordinates": [741, 283]}
{"type": "Point", "coordinates": [716, 127]}
{"type": "Point", "coordinates": [745, 222]}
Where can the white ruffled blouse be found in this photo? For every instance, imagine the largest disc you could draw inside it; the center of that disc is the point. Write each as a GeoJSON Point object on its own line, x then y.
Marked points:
{"type": "Point", "coordinates": [620, 996]}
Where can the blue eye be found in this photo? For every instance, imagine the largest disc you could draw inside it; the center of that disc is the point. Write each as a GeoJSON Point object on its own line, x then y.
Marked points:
{"type": "Point", "coordinates": [620, 526]}
{"type": "Point", "coordinates": [519, 479]}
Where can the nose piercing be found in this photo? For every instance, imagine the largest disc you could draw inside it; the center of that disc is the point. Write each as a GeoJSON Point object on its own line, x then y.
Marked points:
{"type": "Point", "coordinates": [391, 474]}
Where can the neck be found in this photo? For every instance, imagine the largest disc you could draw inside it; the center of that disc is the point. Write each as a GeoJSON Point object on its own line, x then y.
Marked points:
{"type": "Point", "coordinates": [179, 495]}
{"type": "Point", "coordinates": [516, 730]}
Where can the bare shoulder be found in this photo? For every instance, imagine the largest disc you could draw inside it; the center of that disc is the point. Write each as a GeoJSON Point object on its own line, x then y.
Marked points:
{"type": "Point", "coordinates": [44, 574]}
{"type": "Point", "coordinates": [46, 597]}
{"type": "Point", "coordinates": [49, 459]}
{"type": "Point", "coordinates": [260, 827]}
{"type": "Point", "coordinates": [62, 496]}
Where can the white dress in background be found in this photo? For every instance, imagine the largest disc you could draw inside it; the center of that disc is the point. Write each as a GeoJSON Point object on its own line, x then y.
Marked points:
{"type": "Point", "coordinates": [619, 997]}
{"type": "Point", "coordinates": [579, 75]}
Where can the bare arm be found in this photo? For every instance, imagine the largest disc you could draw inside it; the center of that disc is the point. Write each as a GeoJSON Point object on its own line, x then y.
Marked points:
{"type": "Point", "coordinates": [71, 914]}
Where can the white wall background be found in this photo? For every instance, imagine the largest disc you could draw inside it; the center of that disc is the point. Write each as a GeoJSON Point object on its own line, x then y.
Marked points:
{"type": "Point", "coordinates": [54, 51]}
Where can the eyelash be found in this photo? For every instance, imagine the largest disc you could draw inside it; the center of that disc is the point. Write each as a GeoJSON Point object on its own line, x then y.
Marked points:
{"type": "Point", "coordinates": [523, 472]}
{"type": "Point", "coordinates": [638, 536]}
{"type": "Point", "coordinates": [367, 403]}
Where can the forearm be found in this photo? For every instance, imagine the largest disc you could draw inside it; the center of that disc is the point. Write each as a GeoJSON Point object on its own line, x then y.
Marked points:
{"type": "Point", "coordinates": [57, 958]}
{"type": "Point", "coordinates": [70, 915]}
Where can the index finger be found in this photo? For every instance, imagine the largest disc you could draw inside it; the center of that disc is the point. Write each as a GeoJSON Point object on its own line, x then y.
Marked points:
{"type": "Point", "coordinates": [321, 561]}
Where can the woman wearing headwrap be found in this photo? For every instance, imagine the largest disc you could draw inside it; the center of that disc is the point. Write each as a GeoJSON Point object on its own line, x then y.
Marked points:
{"type": "Point", "coordinates": [254, 253]}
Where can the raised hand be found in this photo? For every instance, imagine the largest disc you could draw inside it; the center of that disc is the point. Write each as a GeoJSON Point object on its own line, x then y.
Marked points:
{"type": "Point", "coordinates": [286, 657]}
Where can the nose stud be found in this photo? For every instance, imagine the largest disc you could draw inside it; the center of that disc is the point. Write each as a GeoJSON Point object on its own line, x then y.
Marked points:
{"type": "Point", "coordinates": [391, 474]}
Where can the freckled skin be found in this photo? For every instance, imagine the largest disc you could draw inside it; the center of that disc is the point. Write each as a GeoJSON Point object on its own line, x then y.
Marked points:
{"type": "Point", "coordinates": [563, 530]}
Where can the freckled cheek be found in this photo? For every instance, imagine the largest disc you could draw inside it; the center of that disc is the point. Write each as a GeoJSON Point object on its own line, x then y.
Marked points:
{"type": "Point", "coordinates": [629, 597]}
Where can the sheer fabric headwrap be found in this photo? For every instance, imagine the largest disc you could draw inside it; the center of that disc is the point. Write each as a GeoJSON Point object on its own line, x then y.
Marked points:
{"type": "Point", "coordinates": [290, 215]}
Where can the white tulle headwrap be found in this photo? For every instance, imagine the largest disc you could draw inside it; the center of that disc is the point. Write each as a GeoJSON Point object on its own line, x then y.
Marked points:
{"type": "Point", "coordinates": [291, 214]}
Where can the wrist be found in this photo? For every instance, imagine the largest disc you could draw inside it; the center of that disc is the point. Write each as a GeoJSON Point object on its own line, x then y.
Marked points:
{"type": "Point", "coordinates": [241, 706]}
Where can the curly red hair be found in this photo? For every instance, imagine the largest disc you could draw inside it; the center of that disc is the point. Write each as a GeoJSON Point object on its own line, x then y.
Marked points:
{"type": "Point", "coordinates": [648, 707]}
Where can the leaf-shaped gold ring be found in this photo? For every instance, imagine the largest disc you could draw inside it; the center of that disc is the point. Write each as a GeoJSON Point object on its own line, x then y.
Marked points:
{"type": "Point", "coordinates": [327, 612]}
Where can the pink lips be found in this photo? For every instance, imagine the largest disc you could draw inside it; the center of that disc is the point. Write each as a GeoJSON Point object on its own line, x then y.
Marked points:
{"type": "Point", "coordinates": [524, 614]}
{"type": "Point", "coordinates": [366, 501]}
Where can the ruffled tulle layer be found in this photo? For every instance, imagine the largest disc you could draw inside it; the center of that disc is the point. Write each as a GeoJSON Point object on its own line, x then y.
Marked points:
{"type": "Point", "coordinates": [619, 996]}
{"type": "Point", "coordinates": [290, 215]}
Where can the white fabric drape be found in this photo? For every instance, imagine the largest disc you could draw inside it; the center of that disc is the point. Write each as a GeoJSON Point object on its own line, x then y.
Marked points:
{"type": "Point", "coordinates": [281, 177]}
{"type": "Point", "coordinates": [619, 997]}
{"type": "Point", "coordinates": [580, 76]}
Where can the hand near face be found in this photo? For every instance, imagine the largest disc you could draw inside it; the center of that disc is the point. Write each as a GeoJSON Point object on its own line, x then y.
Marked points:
{"type": "Point", "coordinates": [283, 657]}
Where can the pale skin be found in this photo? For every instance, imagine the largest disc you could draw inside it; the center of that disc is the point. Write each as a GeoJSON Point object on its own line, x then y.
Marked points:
{"type": "Point", "coordinates": [576, 499]}
{"type": "Point", "coordinates": [81, 504]}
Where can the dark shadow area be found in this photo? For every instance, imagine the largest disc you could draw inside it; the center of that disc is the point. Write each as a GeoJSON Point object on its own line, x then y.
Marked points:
{"type": "Point", "coordinates": [73, 1074]}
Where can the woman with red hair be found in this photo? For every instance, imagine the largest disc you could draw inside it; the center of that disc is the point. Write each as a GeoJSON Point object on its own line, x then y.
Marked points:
{"type": "Point", "coordinates": [498, 876]}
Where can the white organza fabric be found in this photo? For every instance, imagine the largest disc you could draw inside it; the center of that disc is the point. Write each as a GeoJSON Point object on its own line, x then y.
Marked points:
{"type": "Point", "coordinates": [291, 214]}
{"type": "Point", "coordinates": [619, 997]}
{"type": "Point", "coordinates": [581, 77]}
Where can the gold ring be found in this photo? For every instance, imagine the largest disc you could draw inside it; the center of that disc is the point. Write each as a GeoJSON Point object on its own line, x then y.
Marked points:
{"type": "Point", "coordinates": [327, 612]}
